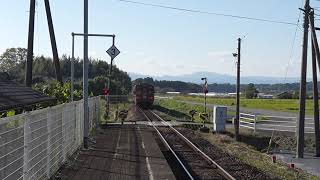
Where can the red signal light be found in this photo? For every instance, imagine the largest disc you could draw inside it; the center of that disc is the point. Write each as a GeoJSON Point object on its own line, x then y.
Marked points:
{"type": "Point", "coordinates": [106, 91]}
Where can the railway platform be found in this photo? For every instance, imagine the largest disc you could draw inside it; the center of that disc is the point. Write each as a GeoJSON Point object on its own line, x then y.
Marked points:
{"type": "Point", "coordinates": [120, 152]}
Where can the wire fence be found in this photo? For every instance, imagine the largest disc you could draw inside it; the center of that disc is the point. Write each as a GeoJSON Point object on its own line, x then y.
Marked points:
{"type": "Point", "coordinates": [34, 145]}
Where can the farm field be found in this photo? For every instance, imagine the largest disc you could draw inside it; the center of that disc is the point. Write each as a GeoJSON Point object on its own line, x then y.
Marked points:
{"type": "Point", "coordinates": [283, 105]}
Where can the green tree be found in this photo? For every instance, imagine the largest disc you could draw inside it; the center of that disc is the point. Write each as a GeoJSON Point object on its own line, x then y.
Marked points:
{"type": "Point", "coordinates": [251, 91]}
{"type": "Point", "coordinates": [11, 58]}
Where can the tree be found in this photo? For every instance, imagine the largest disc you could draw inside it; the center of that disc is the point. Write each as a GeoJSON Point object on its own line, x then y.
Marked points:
{"type": "Point", "coordinates": [11, 58]}
{"type": "Point", "coordinates": [285, 95]}
{"type": "Point", "coordinates": [251, 91]}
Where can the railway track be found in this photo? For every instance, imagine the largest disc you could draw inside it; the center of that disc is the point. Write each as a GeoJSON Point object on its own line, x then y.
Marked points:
{"type": "Point", "coordinates": [195, 163]}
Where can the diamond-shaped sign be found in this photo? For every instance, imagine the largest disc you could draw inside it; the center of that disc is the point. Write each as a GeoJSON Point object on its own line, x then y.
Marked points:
{"type": "Point", "coordinates": [113, 51]}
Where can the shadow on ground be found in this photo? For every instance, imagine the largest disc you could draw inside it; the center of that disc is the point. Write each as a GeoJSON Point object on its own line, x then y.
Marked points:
{"type": "Point", "coordinates": [171, 112]}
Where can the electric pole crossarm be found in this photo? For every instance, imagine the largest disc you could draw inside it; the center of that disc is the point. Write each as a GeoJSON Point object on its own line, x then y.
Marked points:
{"type": "Point", "coordinates": [96, 35]}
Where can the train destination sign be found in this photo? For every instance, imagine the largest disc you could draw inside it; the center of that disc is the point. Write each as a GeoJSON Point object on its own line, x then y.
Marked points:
{"type": "Point", "coordinates": [113, 51]}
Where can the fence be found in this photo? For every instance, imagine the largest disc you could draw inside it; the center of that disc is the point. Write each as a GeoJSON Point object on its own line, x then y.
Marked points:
{"type": "Point", "coordinates": [114, 99]}
{"type": "Point", "coordinates": [274, 123]}
{"type": "Point", "coordinates": [248, 121]}
{"type": "Point", "coordinates": [34, 145]}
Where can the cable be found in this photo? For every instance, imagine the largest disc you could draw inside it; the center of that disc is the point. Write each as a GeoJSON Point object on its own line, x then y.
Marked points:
{"type": "Point", "coordinates": [211, 13]}
{"type": "Point", "coordinates": [292, 45]}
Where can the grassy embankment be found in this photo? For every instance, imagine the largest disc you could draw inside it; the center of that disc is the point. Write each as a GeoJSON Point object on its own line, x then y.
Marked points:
{"type": "Point", "coordinates": [283, 105]}
{"type": "Point", "coordinates": [251, 155]}
{"type": "Point", "coordinates": [174, 110]}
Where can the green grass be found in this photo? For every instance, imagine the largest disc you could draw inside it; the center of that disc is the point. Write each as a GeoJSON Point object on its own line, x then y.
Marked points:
{"type": "Point", "coordinates": [180, 110]}
{"type": "Point", "coordinates": [284, 105]}
{"type": "Point", "coordinates": [249, 155]}
{"type": "Point", "coordinates": [113, 109]}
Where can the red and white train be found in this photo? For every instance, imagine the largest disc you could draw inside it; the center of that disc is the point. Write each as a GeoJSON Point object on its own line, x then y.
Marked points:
{"type": "Point", "coordinates": [143, 95]}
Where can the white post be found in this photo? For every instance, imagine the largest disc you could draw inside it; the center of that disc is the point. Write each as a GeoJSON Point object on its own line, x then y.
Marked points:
{"type": "Point", "coordinates": [255, 121]}
{"type": "Point", "coordinates": [97, 112]}
{"type": "Point", "coordinates": [49, 122]}
{"type": "Point", "coordinates": [63, 131]}
{"type": "Point", "coordinates": [26, 133]}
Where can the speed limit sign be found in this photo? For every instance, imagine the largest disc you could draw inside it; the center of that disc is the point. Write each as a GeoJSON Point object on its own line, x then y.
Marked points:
{"type": "Point", "coordinates": [113, 51]}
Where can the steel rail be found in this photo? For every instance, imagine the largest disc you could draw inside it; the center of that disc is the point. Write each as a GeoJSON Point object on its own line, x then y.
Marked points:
{"type": "Point", "coordinates": [168, 146]}
{"type": "Point", "coordinates": [206, 157]}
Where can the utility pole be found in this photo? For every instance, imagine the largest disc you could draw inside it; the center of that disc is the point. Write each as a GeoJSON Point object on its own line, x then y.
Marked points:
{"type": "Point", "coordinates": [315, 100]}
{"type": "Point", "coordinates": [315, 56]}
{"type": "Point", "coordinates": [28, 78]}
{"type": "Point", "coordinates": [237, 120]}
{"type": "Point", "coordinates": [72, 68]}
{"type": "Point", "coordinates": [85, 76]}
{"type": "Point", "coordinates": [109, 81]}
{"type": "Point", "coordinates": [53, 42]}
{"type": "Point", "coordinates": [302, 97]}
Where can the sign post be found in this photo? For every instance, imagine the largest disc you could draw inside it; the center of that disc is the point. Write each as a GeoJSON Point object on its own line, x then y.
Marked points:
{"type": "Point", "coordinates": [113, 52]}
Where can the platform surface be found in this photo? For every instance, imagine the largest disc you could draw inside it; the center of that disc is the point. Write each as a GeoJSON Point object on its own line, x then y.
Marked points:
{"type": "Point", "coordinates": [120, 152]}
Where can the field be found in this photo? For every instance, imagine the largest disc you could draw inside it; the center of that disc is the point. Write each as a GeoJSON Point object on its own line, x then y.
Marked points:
{"type": "Point", "coordinates": [179, 111]}
{"type": "Point", "coordinates": [284, 105]}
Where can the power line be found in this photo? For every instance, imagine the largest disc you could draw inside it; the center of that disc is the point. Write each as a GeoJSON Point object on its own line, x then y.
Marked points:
{"type": "Point", "coordinates": [210, 13]}
{"type": "Point", "coordinates": [292, 45]}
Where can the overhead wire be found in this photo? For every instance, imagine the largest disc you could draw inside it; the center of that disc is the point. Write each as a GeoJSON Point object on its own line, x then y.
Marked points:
{"type": "Point", "coordinates": [292, 45]}
{"type": "Point", "coordinates": [210, 13]}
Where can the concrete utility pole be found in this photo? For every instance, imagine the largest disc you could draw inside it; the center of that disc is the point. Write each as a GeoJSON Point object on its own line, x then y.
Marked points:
{"type": "Point", "coordinates": [315, 56]}
{"type": "Point", "coordinates": [237, 120]}
{"type": "Point", "coordinates": [28, 78]}
{"type": "Point", "coordinates": [302, 97]}
{"type": "Point", "coordinates": [53, 42]}
{"type": "Point", "coordinates": [85, 77]}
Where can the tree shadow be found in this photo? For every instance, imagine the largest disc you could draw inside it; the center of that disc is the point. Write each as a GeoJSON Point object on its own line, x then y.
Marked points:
{"type": "Point", "coordinates": [171, 112]}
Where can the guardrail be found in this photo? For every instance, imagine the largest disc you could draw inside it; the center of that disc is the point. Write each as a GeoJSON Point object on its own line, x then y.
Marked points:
{"type": "Point", "coordinates": [273, 123]}
{"type": "Point", "coordinates": [35, 144]}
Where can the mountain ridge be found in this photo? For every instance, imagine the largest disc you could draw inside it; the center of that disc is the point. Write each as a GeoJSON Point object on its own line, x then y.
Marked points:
{"type": "Point", "coordinates": [219, 78]}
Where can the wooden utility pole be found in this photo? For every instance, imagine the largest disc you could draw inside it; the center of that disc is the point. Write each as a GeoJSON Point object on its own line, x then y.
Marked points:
{"type": "Point", "coordinates": [53, 42]}
{"type": "Point", "coordinates": [237, 120]}
{"type": "Point", "coordinates": [28, 78]}
{"type": "Point", "coordinates": [302, 97]}
{"type": "Point", "coordinates": [315, 56]}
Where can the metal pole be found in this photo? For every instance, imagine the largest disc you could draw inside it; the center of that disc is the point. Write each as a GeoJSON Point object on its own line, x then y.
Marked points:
{"type": "Point", "coordinates": [302, 97]}
{"type": "Point", "coordinates": [315, 56]}
{"type": "Point", "coordinates": [109, 78]}
{"type": "Point", "coordinates": [237, 120]}
{"type": "Point", "coordinates": [85, 77]}
{"type": "Point", "coordinates": [72, 69]}
{"type": "Point", "coordinates": [28, 78]}
{"type": "Point", "coordinates": [53, 42]}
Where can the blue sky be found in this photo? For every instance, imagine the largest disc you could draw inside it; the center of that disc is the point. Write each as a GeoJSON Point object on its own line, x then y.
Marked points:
{"type": "Point", "coordinates": [157, 41]}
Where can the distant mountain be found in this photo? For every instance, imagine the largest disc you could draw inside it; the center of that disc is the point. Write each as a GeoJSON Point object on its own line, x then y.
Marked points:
{"type": "Point", "coordinates": [218, 78]}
